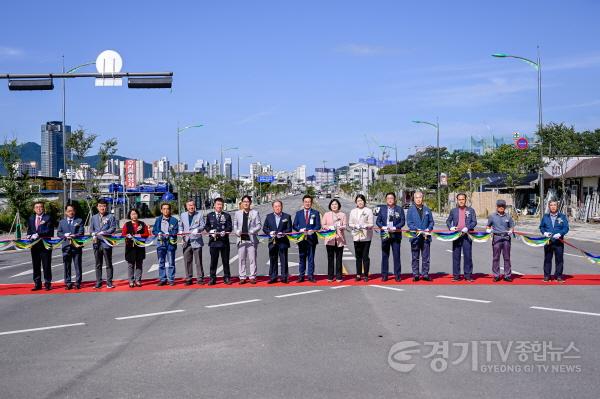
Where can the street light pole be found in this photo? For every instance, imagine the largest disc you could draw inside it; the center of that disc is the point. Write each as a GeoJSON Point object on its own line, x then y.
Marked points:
{"type": "Point", "coordinates": [178, 172]}
{"type": "Point", "coordinates": [436, 125]}
{"type": "Point", "coordinates": [538, 66]}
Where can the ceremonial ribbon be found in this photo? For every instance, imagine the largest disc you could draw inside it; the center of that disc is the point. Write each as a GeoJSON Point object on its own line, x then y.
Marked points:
{"type": "Point", "coordinates": [479, 236]}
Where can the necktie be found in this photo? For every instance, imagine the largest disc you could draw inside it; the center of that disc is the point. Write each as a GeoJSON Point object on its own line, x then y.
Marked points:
{"type": "Point", "coordinates": [306, 217]}
{"type": "Point", "coordinates": [70, 222]}
{"type": "Point", "coordinates": [37, 221]}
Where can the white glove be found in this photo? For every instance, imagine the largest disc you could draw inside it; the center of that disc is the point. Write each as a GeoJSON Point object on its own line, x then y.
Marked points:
{"type": "Point", "coordinates": [194, 231]}
{"type": "Point", "coordinates": [93, 234]}
{"type": "Point", "coordinates": [222, 234]}
{"type": "Point", "coordinates": [238, 232]}
{"type": "Point", "coordinates": [546, 234]}
{"type": "Point", "coordinates": [511, 231]}
{"type": "Point", "coordinates": [453, 228]}
{"type": "Point", "coordinates": [129, 236]}
{"type": "Point", "coordinates": [213, 231]}
{"type": "Point", "coordinates": [465, 230]}
{"type": "Point", "coordinates": [488, 230]}
{"type": "Point", "coordinates": [272, 234]}
{"type": "Point", "coordinates": [100, 233]}
{"type": "Point", "coordinates": [310, 232]}
{"type": "Point", "coordinates": [280, 235]}
{"type": "Point", "coordinates": [35, 236]}
{"type": "Point", "coordinates": [556, 236]}
{"type": "Point", "coordinates": [67, 235]}
{"type": "Point", "coordinates": [302, 230]}
{"type": "Point", "coordinates": [384, 228]}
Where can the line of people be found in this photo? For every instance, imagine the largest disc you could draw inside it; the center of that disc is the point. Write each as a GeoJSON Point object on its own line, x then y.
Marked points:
{"type": "Point", "coordinates": [246, 225]}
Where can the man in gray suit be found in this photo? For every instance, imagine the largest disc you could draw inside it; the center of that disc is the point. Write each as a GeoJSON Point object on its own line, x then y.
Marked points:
{"type": "Point", "coordinates": [191, 224]}
{"type": "Point", "coordinates": [246, 225]}
{"type": "Point", "coordinates": [68, 228]}
{"type": "Point", "coordinates": [103, 224]}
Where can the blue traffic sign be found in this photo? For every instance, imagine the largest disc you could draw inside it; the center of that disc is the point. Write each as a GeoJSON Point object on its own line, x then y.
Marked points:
{"type": "Point", "coordinates": [265, 179]}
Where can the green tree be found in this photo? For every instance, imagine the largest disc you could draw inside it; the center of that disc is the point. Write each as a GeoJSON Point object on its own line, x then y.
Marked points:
{"type": "Point", "coordinates": [561, 143]}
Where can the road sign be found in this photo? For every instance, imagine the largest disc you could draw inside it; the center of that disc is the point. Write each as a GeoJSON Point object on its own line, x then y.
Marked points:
{"type": "Point", "coordinates": [516, 135]}
{"type": "Point", "coordinates": [265, 179]}
{"type": "Point", "coordinates": [108, 63]}
{"type": "Point", "coordinates": [522, 143]}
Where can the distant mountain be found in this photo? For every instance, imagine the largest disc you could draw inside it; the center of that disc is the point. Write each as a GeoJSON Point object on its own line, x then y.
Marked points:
{"type": "Point", "coordinates": [31, 151]}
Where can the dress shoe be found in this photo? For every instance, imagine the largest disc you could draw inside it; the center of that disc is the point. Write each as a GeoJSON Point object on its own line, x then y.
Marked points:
{"type": "Point", "coordinates": [242, 281]}
{"type": "Point", "coordinates": [560, 280]}
{"type": "Point", "coordinates": [200, 281]}
{"type": "Point", "coordinates": [312, 279]}
{"type": "Point", "coordinates": [98, 286]}
{"type": "Point", "coordinates": [416, 278]}
{"type": "Point", "coordinates": [227, 281]}
{"type": "Point", "coordinates": [187, 282]}
{"type": "Point", "coordinates": [77, 286]}
{"type": "Point", "coordinates": [456, 278]}
{"type": "Point", "coordinates": [172, 283]}
{"type": "Point", "coordinates": [546, 279]}
{"type": "Point", "coordinates": [300, 280]}
{"type": "Point", "coordinates": [384, 278]}
{"type": "Point", "coordinates": [496, 278]}
{"type": "Point", "coordinates": [131, 285]}
{"type": "Point", "coordinates": [138, 283]}
{"type": "Point", "coordinates": [508, 278]}
{"type": "Point", "coordinates": [252, 281]}
{"type": "Point", "coordinates": [426, 278]}
{"type": "Point", "coordinates": [161, 283]}
{"type": "Point", "coordinates": [110, 285]}
{"type": "Point", "coordinates": [36, 288]}
{"type": "Point", "coordinates": [47, 287]}
{"type": "Point", "coordinates": [68, 286]}
{"type": "Point", "coordinates": [339, 279]}
{"type": "Point", "coordinates": [284, 280]}
{"type": "Point", "coordinates": [357, 277]}
{"type": "Point", "coordinates": [469, 279]}
{"type": "Point", "coordinates": [329, 280]}
{"type": "Point", "coordinates": [212, 281]}
{"type": "Point", "coordinates": [366, 278]}
{"type": "Point", "coordinates": [272, 281]}
{"type": "Point", "coordinates": [397, 278]}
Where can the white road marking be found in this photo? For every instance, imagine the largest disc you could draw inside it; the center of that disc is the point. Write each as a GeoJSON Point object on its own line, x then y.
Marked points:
{"type": "Point", "coordinates": [386, 287]}
{"type": "Point", "coordinates": [232, 303]}
{"type": "Point", "coordinates": [137, 316]}
{"type": "Point", "coordinates": [11, 266]}
{"type": "Point", "coordinates": [290, 264]}
{"type": "Point", "coordinates": [462, 299]}
{"type": "Point", "coordinates": [41, 328]}
{"type": "Point", "coordinates": [297, 293]}
{"type": "Point", "coordinates": [449, 250]}
{"type": "Point", "coordinates": [339, 286]}
{"type": "Point", "coordinates": [348, 258]}
{"type": "Point", "coordinates": [26, 272]}
{"type": "Point", "coordinates": [565, 311]}
{"type": "Point", "coordinates": [577, 256]}
{"type": "Point", "coordinates": [154, 267]}
{"type": "Point", "coordinates": [220, 268]}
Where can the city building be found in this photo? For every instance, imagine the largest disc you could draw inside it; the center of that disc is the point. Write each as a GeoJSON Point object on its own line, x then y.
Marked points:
{"type": "Point", "coordinates": [52, 155]}
{"type": "Point", "coordinates": [214, 169]}
{"type": "Point", "coordinates": [26, 168]}
{"type": "Point", "coordinates": [160, 169]}
{"type": "Point", "coordinates": [324, 177]}
{"type": "Point", "coordinates": [363, 173]}
{"type": "Point", "coordinates": [227, 166]}
{"type": "Point", "coordinates": [300, 173]}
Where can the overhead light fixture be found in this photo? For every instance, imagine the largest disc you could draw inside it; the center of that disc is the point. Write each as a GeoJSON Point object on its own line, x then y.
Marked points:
{"type": "Point", "coordinates": [30, 84]}
{"type": "Point", "coordinates": [150, 83]}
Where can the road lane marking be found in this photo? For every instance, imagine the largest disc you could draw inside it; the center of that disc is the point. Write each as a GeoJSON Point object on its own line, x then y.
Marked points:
{"type": "Point", "coordinates": [41, 328]}
{"type": "Point", "coordinates": [449, 250]}
{"type": "Point", "coordinates": [297, 293]}
{"type": "Point", "coordinates": [462, 299]}
{"type": "Point", "coordinates": [386, 287]}
{"type": "Point", "coordinates": [232, 303]}
{"type": "Point", "coordinates": [137, 316]}
{"type": "Point", "coordinates": [339, 286]}
{"type": "Point", "coordinates": [220, 268]}
{"type": "Point", "coordinates": [26, 272]}
{"type": "Point", "coordinates": [565, 311]}
{"type": "Point", "coordinates": [154, 267]}
{"type": "Point", "coordinates": [577, 256]}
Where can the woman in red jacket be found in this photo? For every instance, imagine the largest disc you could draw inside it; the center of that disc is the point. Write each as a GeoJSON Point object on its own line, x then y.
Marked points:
{"type": "Point", "coordinates": [134, 255]}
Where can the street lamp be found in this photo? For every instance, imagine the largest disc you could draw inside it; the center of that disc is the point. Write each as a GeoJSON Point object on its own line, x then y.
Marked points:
{"type": "Point", "coordinates": [222, 151]}
{"type": "Point", "coordinates": [538, 66]}
{"type": "Point", "coordinates": [436, 125]}
{"type": "Point", "coordinates": [179, 131]}
{"type": "Point", "coordinates": [64, 131]}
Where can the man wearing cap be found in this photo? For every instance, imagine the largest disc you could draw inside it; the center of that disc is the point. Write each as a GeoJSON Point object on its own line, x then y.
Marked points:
{"type": "Point", "coordinates": [501, 225]}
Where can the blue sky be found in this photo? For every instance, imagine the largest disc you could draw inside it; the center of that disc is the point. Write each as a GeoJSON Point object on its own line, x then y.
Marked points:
{"type": "Point", "coordinates": [299, 82]}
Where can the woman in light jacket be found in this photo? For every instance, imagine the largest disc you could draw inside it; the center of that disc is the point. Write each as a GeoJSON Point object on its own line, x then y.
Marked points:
{"type": "Point", "coordinates": [361, 223]}
{"type": "Point", "coordinates": [335, 219]}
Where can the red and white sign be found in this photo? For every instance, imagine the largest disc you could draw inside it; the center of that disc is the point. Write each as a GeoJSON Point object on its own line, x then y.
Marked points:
{"type": "Point", "coordinates": [130, 177]}
{"type": "Point", "coordinates": [522, 143]}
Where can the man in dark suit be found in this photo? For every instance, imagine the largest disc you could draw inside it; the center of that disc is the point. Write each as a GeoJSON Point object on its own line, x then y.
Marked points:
{"type": "Point", "coordinates": [69, 228]}
{"type": "Point", "coordinates": [462, 218]}
{"type": "Point", "coordinates": [219, 225]}
{"type": "Point", "coordinates": [307, 220]}
{"type": "Point", "coordinates": [277, 224]}
{"type": "Point", "coordinates": [39, 226]}
{"type": "Point", "coordinates": [390, 220]}
{"type": "Point", "coordinates": [555, 226]}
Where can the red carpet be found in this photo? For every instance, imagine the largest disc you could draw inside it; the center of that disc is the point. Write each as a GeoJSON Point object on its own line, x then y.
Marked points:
{"type": "Point", "coordinates": [438, 279]}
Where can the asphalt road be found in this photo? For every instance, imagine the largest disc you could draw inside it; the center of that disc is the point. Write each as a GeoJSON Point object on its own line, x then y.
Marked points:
{"type": "Point", "coordinates": [302, 341]}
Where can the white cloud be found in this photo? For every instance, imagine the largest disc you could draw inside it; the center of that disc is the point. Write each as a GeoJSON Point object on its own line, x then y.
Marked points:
{"type": "Point", "coordinates": [362, 50]}
{"type": "Point", "coordinates": [9, 52]}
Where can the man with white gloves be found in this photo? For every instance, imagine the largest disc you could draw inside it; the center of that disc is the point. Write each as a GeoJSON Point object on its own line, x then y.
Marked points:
{"type": "Point", "coordinates": [462, 218]}
{"type": "Point", "coordinates": [191, 225]}
{"type": "Point", "coordinates": [555, 226]}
